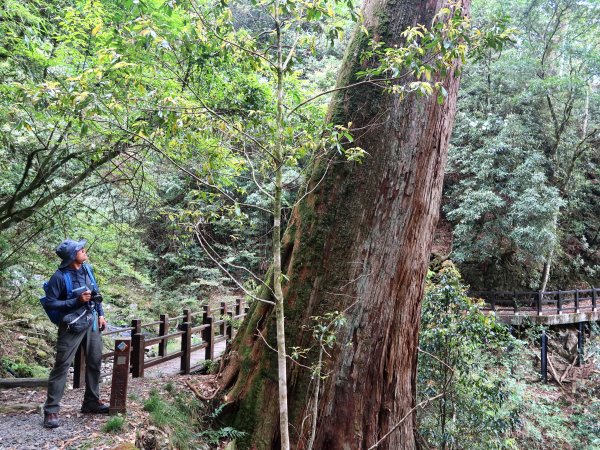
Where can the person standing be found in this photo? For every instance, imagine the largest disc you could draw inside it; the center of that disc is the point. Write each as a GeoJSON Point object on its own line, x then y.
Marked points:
{"type": "Point", "coordinates": [73, 289]}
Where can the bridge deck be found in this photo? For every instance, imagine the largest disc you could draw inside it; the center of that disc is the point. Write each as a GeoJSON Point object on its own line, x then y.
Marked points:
{"type": "Point", "coordinates": [173, 367]}
{"type": "Point", "coordinates": [524, 317]}
{"type": "Point", "coordinates": [546, 308]}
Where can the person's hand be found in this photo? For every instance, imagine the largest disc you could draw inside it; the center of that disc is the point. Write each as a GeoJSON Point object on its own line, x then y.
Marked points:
{"type": "Point", "coordinates": [102, 323]}
{"type": "Point", "coordinates": [85, 297]}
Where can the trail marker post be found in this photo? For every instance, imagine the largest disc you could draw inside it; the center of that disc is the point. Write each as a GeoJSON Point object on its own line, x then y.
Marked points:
{"type": "Point", "coordinates": [120, 377]}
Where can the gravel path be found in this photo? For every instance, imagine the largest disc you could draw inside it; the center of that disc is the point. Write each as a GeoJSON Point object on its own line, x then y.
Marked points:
{"type": "Point", "coordinates": [22, 429]}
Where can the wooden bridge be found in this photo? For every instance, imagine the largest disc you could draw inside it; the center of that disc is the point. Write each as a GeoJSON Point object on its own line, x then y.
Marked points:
{"type": "Point", "coordinates": [543, 307]}
{"type": "Point", "coordinates": [196, 331]}
{"type": "Point", "coordinates": [546, 308]}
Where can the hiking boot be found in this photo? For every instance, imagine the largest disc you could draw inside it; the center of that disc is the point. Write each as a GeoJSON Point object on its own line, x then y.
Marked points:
{"type": "Point", "coordinates": [98, 408]}
{"type": "Point", "coordinates": [50, 420]}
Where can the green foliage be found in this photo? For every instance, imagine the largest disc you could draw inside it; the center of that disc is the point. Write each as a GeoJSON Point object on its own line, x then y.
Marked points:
{"type": "Point", "coordinates": [114, 425]}
{"type": "Point", "coordinates": [429, 54]}
{"type": "Point", "coordinates": [188, 422]}
{"type": "Point", "coordinates": [21, 369]}
{"type": "Point", "coordinates": [553, 422]}
{"type": "Point", "coordinates": [178, 415]}
{"type": "Point", "coordinates": [465, 363]}
{"type": "Point", "coordinates": [522, 160]}
{"type": "Point", "coordinates": [214, 437]}
{"type": "Point", "coordinates": [504, 199]}
{"type": "Point", "coordinates": [210, 366]}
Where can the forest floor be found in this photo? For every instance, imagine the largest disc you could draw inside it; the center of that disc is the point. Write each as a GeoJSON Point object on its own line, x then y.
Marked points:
{"type": "Point", "coordinates": [21, 419]}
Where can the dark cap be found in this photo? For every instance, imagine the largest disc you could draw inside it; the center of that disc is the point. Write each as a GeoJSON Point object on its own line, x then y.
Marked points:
{"type": "Point", "coordinates": [67, 250]}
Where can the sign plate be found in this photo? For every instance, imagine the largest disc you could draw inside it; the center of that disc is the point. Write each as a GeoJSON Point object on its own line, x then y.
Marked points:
{"type": "Point", "coordinates": [122, 346]}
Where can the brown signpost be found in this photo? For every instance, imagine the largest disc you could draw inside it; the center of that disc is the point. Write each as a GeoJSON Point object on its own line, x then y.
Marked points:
{"type": "Point", "coordinates": [120, 377]}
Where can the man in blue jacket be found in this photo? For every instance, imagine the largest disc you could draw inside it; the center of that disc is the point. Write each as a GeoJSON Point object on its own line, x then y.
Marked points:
{"type": "Point", "coordinates": [74, 277]}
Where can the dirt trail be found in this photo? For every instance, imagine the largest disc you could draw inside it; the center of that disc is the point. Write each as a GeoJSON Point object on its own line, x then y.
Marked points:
{"type": "Point", "coordinates": [21, 427]}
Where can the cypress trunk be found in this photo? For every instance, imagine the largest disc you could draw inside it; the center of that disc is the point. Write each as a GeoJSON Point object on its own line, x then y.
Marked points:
{"type": "Point", "coordinates": [360, 243]}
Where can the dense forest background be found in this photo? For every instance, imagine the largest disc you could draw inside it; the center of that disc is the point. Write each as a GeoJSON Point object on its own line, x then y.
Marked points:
{"type": "Point", "coordinates": [141, 126]}
{"type": "Point", "coordinates": [111, 130]}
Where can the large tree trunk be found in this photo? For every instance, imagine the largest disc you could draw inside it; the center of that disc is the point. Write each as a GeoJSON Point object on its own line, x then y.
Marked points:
{"type": "Point", "coordinates": [360, 242]}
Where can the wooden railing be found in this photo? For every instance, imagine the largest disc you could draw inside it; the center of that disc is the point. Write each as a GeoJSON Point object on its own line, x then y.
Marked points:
{"type": "Point", "coordinates": [540, 303]}
{"type": "Point", "coordinates": [210, 331]}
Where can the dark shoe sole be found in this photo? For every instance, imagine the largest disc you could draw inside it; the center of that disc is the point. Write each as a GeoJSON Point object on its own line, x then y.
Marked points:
{"type": "Point", "coordinates": [93, 411]}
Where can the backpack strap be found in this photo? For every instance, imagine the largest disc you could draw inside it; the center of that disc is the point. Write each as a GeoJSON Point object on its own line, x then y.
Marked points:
{"type": "Point", "coordinates": [68, 284]}
{"type": "Point", "coordinates": [90, 273]}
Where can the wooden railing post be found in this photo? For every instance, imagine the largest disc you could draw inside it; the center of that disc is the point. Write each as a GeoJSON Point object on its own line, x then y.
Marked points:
{"type": "Point", "coordinates": [79, 367]}
{"type": "Point", "coordinates": [593, 299]}
{"type": "Point", "coordinates": [580, 342]}
{"type": "Point", "coordinates": [559, 303]}
{"type": "Point", "coordinates": [576, 300]}
{"type": "Point", "coordinates": [544, 357]}
{"type": "Point", "coordinates": [186, 347]}
{"type": "Point", "coordinates": [230, 326]}
{"type": "Point", "coordinates": [137, 349]}
{"type": "Point", "coordinates": [223, 326]}
{"type": "Point", "coordinates": [163, 330]}
{"type": "Point", "coordinates": [208, 335]}
{"type": "Point", "coordinates": [516, 306]}
{"type": "Point", "coordinates": [540, 299]}
{"type": "Point", "coordinates": [186, 341]}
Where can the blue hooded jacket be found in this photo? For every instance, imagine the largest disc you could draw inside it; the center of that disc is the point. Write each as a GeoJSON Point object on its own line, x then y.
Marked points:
{"type": "Point", "coordinates": [56, 291]}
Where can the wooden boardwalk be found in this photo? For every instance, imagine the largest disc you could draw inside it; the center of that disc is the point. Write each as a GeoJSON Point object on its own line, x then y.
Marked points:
{"type": "Point", "coordinates": [173, 367]}
{"type": "Point", "coordinates": [546, 308]}
{"type": "Point", "coordinates": [169, 345]}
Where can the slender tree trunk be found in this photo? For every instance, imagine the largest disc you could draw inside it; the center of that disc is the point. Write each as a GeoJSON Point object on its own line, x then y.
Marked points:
{"type": "Point", "coordinates": [548, 263]}
{"type": "Point", "coordinates": [546, 271]}
{"type": "Point", "coordinates": [360, 243]}
{"type": "Point", "coordinates": [277, 278]}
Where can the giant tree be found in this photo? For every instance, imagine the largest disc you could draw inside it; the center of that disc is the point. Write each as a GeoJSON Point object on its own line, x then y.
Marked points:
{"type": "Point", "coordinates": [359, 243]}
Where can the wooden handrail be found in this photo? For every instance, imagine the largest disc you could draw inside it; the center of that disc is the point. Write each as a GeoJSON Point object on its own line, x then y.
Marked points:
{"type": "Point", "coordinates": [211, 330]}
{"type": "Point", "coordinates": [533, 302]}
{"type": "Point", "coordinates": [120, 330]}
{"type": "Point", "coordinates": [159, 339]}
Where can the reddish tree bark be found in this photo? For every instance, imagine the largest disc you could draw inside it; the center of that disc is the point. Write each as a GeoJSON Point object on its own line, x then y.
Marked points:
{"type": "Point", "coordinates": [361, 243]}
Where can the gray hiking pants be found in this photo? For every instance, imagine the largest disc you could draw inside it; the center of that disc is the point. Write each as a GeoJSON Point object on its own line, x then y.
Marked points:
{"type": "Point", "coordinates": [66, 347]}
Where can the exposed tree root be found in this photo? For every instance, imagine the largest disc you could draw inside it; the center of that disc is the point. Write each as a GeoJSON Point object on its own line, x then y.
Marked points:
{"type": "Point", "coordinates": [229, 370]}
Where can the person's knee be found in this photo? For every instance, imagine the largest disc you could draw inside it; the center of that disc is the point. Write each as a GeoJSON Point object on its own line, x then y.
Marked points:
{"type": "Point", "coordinates": [63, 362]}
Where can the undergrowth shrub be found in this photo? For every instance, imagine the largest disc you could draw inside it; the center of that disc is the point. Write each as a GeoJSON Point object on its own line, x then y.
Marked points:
{"type": "Point", "coordinates": [189, 422]}
{"type": "Point", "coordinates": [465, 363]}
{"type": "Point", "coordinates": [166, 415]}
{"type": "Point", "coordinates": [114, 424]}
{"type": "Point", "coordinates": [21, 369]}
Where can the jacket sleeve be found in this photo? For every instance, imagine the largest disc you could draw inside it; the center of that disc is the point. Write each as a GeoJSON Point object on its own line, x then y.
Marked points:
{"type": "Point", "coordinates": [56, 293]}
{"type": "Point", "coordinates": [100, 309]}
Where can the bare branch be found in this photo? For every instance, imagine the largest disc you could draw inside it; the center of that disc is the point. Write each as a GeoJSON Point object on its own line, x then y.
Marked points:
{"type": "Point", "coordinates": [155, 147]}
{"type": "Point", "coordinates": [207, 249]}
{"type": "Point", "coordinates": [350, 86]}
